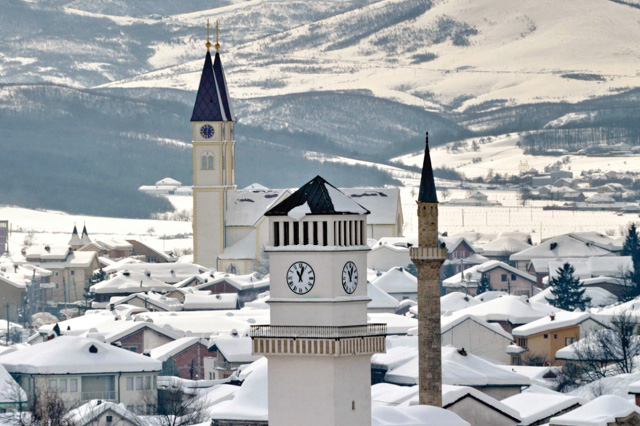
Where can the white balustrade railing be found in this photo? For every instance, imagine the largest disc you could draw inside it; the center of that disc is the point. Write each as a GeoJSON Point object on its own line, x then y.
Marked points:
{"type": "Point", "coordinates": [318, 332]}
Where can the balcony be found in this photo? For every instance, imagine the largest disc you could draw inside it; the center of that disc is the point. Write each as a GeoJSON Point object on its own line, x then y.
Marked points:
{"type": "Point", "coordinates": [105, 395]}
{"type": "Point", "coordinates": [317, 332]}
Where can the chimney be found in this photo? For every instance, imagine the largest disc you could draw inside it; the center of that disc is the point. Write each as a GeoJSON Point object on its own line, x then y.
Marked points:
{"type": "Point", "coordinates": [462, 352]}
{"type": "Point", "coordinates": [553, 246]}
{"type": "Point", "coordinates": [552, 316]}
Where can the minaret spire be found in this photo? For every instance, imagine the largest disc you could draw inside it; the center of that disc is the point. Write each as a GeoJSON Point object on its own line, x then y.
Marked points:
{"type": "Point", "coordinates": [428, 256]}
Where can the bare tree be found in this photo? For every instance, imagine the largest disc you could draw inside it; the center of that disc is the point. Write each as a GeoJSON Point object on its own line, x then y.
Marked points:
{"type": "Point", "coordinates": [445, 193]}
{"type": "Point", "coordinates": [175, 408]}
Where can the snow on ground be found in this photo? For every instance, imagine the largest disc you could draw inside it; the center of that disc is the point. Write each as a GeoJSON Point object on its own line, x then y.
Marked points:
{"type": "Point", "coordinates": [54, 228]}
{"type": "Point", "coordinates": [501, 154]}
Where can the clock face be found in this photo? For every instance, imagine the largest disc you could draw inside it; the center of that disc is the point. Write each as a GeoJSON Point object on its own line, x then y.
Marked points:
{"type": "Point", "coordinates": [349, 277]}
{"type": "Point", "coordinates": [300, 278]}
{"type": "Point", "coordinates": [207, 131]}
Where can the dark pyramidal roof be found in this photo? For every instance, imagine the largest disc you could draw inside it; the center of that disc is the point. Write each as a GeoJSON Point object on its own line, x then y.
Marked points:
{"type": "Point", "coordinates": [322, 198]}
{"type": "Point", "coordinates": [427, 184]}
{"type": "Point", "coordinates": [212, 101]}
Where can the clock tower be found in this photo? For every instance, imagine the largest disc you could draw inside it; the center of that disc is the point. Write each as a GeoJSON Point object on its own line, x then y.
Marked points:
{"type": "Point", "coordinates": [213, 160]}
{"type": "Point", "coordinates": [318, 344]}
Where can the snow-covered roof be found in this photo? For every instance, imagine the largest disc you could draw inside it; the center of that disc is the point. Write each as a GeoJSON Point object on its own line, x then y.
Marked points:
{"type": "Point", "coordinates": [47, 252]}
{"type": "Point", "coordinates": [164, 352]}
{"type": "Point", "coordinates": [76, 355]}
{"type": "Point", "coordinates": [168, 182]}
{"type": "Point", "coordinates": [451, 321]}
{"type": "Point", "coordinates": [380, 299]}
{"type": "Point", "coordinates": [600, 240]}
{"type": "Point", "coordinates": [200, 301]}
{"type": "Point", "coordinates": [600, 198]}
{"type": "Point", "coordinates": [250, 401]}
{"type": "Point", "coordinates": [112, 331]}
{"type": "Point", "coordinates": [396, 324]}
{"type": "Point", "coordinates": [236, 349]}
{"type": "Point", "coordinates": [474, 274]}
{"type": "Point", "coordinates": [458, 368]}
{"type": "Point", "coordinates": [241, 282]}
{"type": "Point", "coordinates": [504, 246]}
{"type": "Point", "coordinates": [397, 280]}
{"type": "Point", "coordinates": [599, 296]}
{"type": "Point", "coordinates": [247, 206]}
{"type": "Point", "coordinates": [166, 272]}
{"type": "Point", "coordinates": [455, 301]}
{"type": "Point", "coordinates": [154, 299]}
{"type": "Point", "coordinates": [112, 244]}
{"type": "Point", "coordinates": [382, 203]}
{"type": "Point", "coordinates": [10, 391]}
{"type": "Point", "coordinates": [130, 282]}
{"type": "Point", "coordinates": [424, 415]}
{"type": "Point", "coordinates": [514, 309]}
{"type": "Point", "coordinates": [563, 246]}
{"type": "Point", "coordinates": [86, 414]}
{"type": "Point", "coordinates": [451, 243]}
{"type": "Point", "coordinates": [602, 411]}
{"type": "Point", "coordinates": [452, 394]}
{"type": "Point", "coordinates": [533, 407]}
{"type": "Point", "coordinates": [555, 321]}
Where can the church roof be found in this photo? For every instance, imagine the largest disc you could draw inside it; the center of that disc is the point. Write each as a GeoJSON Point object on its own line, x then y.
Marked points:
{"type": "Point", "coordinates": [317, 197]}
{"type": "Point", "coordinates": [427, 185]}
{"type": "Point", "coordinates": [212, 101]}
{"type": "Point", "coordinates": [85, 236]}
{"type": "Point", "coordinates": [75, 239]}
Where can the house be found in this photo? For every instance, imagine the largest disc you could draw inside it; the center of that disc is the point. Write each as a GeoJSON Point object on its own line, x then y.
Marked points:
{"type": "Point", "coordinates": [399, 365]}
{"type": "Point", "coordinates": [501, 276]}
{"type": "Point", "coordinates": [201, 301]}
{"type": "Point", "coordinates": [562, 246]}
{"type": "Point", "coordinates": [605, 410]}
{"type": "Point", "coordinates": [385, 219]}
{"type": "Point", "coordinates": [70, 269]}
{"type": "Point", "coordinates": [452, 302]}
{"type": "Point", "coordinates": [502, 248]}
{"type": "Point", "coordinates": [381, 301]}
{"type": "Point", "coordinates": [12, 396]}
{"type": "Point", "coordinates": [544, 337]}
{"type": "Point", "coordinates": [566, 183]}
{"type": "Point", "coordinates": [13, 293]}
{"type": "Point", "coordinates": [80, 369]}
{"type": "Point", "coordinates": [110, 248]}
{"type": "Point", "coordinates": [247, 287]}
{"type": "Point", "coordinates": [538, 408]}
{"type": "Point", "coordinates": [229, 353]}
{"type": "Point", "coordinates": [126, 283]}
{"type": "Point", "coordinates": [388, 253]}
{"type": "Point", "coordinates": [460, 254]}
{"type": "Point", "coordinates": [166, 186]}
{"type": "Point", "coordinates": [183, 357]}
{"type": "Point", "coordinates": [476, 335]}
{"type": "Point", "coordinates": [150, 301]}
{"type": "Point", "coordinates": [98, 413]}
{"type": "Point", "coordinates": [598, 296]}
{"type": "Point", "coordinates": [510, 311]}
{"type": "Point", "coordinates": [150, 254]}
{"type": "Point", "coordinates": [398, 283]}
{"type": "Point", "coordinates": [170, 273]}
{"type": "Point", "coordinates": [132, 335]}
{"type": "Point", "coordinates": [538, 181]}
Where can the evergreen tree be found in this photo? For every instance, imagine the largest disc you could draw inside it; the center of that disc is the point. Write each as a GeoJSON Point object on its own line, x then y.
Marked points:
{"type": "Point", "coordinates": [567, 291]}
{"type": "Point", "coordinates": [484, 285]}
{"type": "Point", "coordinates": [631, 248]}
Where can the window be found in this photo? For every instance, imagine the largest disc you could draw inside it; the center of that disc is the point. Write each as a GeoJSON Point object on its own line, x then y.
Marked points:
{"type": "Point", "coordinates": [296, 233]}
{"type": "Point", "coordinates": [315, 233]}
{"type": "Point", "coordinates": [55, 274]}
{"type": "Point", "coordinates": [73, 385]}
{"type": "Point", "coordinates": [503, 277]}
{"type": "Point", "coordinates": [129, 383]}
{"type": "Point", "coordinates": [147, 382]}
{"type": "Point", "coordinates": [72, 272]}
{"type": "Point", "coordinates": [305, 233]}
{"type": "Point", "coordinates": [130, 408]}
{"type": "Point", "coordinates": [555, 336]}
{"type": "Point", "coordinates": [63, 385]}
{"type": "Point", "coordinates": [546, 336]}
{"type": "Point", "coordinates": [231, 128]}
{"type": "Point", "coordinates": [325, 230]}
{"type": "Point", "coordinates": [53, 384]}
{"type": "Point", "coordinates": [140, 410]}
{"type": "Point", "coordinates": [206, 162]}
{"type": "Point", "coordinates": [513, 277]}
{"type": "Point", "coordinates": [276, 234]}
{"type": "Point", "coordinates": [567, 341]}
{"type": "Point", "coordinates": [139, 383]}
{"type": "Point", "coordinates": [286, 233]}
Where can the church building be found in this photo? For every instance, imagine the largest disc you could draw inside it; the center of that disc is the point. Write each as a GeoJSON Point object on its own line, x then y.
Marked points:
{"type": "Point", "coordinates": [230, 230]}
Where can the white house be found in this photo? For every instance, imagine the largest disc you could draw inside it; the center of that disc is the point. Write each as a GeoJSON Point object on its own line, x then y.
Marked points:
{"type": "Point", "coordinates": [81, 369]}
{"type": "Point", "coordinates": [398, 283]}
{"type": "Point", "coordinates": [477, 336]}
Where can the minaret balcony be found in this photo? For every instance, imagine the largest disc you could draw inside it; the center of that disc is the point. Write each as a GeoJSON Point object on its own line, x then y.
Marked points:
{"type": "Point", "coordinates": [427, 253]}
{"type": "Point", "coordinates": [318, 340]}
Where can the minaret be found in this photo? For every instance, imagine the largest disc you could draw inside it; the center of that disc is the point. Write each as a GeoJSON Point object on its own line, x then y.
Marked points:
{"type": "Point", "coordinates": [428, 257]}
{"type": "Point", "coordinates": [213, 159]}
{"type": "Point", "coordinates": [318, 343]}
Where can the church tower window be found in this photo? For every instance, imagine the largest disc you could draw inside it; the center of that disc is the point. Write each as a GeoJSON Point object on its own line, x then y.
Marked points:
{"type": "Point", "coordinates": [207, 161]}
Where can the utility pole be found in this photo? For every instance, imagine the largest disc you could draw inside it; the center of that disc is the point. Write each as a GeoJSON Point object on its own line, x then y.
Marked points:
{"type": "Point", "coordinates": [6, 304]}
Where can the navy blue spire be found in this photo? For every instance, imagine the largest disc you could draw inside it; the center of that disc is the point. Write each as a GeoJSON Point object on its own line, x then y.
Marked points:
{"type": "Point", "coordinates": [212, 101]}
{"type": "Point", "coordinates": [427, 185]}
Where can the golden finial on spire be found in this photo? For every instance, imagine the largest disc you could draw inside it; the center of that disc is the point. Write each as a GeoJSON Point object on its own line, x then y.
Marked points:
{"type": "Point", "coordinates": [217, 44]}
{"type": "Point", "coordinates": [208, 44]}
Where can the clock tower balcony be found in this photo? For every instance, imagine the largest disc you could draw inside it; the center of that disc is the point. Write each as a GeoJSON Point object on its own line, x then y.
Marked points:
{"type": "Point", "coordinates": [318, 340]}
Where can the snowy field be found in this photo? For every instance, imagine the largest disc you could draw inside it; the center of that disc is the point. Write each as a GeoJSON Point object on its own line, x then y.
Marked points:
{"type": "Point", "coordinates": [502, 155]}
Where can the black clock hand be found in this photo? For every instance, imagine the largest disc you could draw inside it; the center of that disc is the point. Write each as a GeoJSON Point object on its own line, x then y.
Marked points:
{"type": "Point", "coordinates": [300, 275]}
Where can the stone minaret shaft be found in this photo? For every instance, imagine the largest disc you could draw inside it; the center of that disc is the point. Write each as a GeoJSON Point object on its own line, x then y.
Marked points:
{"type": "Point", "coordinates": [428, 257]}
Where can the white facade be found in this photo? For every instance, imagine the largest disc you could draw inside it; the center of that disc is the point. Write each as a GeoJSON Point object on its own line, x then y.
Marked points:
{"type": "Point", "coordinates": [318, 344]}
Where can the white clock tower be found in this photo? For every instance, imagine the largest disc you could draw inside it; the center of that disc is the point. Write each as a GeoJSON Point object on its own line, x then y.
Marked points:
{"type": "Point", "coordinates": [213, 160]}
{"type": "Point", "coordinates": [318, 344]}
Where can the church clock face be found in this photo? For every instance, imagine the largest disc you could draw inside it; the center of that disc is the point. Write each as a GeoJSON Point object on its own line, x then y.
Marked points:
{"type": "Point", "coordinates": [300, 278]}
{"type": "Point", "coordinates": [350, 277]}
{"type": "Point", "coordinates": [207, 131]}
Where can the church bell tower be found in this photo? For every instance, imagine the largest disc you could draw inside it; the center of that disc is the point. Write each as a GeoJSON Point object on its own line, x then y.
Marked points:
{"type": "Point", "coordinates": [318, 344]}
{"type": "Point", "coordinates": [213, 159]}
